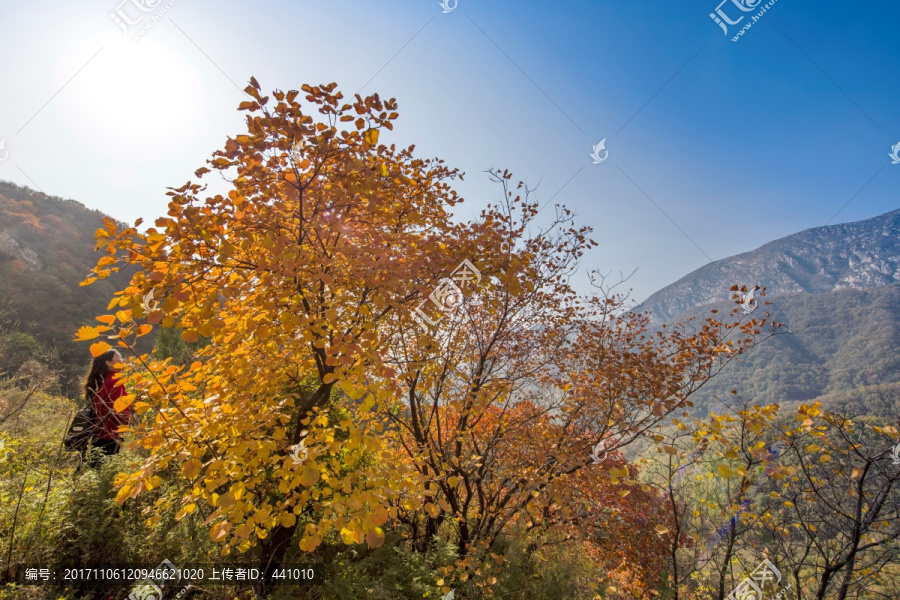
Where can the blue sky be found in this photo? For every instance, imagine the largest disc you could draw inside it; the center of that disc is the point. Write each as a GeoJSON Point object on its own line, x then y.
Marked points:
{"type": "Point", "coordinates": [715, 147]}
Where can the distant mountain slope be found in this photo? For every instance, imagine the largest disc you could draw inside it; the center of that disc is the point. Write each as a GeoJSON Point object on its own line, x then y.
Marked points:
{"type": "Point", "coordinates": [46, 249]}
{"type": "Point", "coordinates": [859, 255]}
{"type": "Point", "coordinates": [845, 351]}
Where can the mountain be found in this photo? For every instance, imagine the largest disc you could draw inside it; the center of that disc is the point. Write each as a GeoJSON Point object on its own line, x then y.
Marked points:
{"type": "Point", "coordinates": [842, 351]}
{"type": "Point", "coordinates": [837, 289]}
{"type": "Point", "coordinates": [46, 249]}
{"type": "Point", "coordinates": [859, 255]}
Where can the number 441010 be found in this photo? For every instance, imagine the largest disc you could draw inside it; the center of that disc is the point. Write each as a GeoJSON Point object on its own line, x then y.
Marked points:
{"type": "Point", "coordinates": [294, 574]}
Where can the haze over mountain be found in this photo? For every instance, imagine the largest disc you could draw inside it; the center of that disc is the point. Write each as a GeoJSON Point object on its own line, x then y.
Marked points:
{"type": "Point", "coordinates": [859, 255]}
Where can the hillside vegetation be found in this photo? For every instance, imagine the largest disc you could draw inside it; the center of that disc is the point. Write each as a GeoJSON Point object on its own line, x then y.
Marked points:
{"type": "Point", "coordinates": [46, 249]}
{"type": "Point", "coordinates": [843, 351]}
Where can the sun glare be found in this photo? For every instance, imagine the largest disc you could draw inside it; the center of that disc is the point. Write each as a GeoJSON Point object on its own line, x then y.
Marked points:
{"type": "Point", "coordinates": [137, 100]}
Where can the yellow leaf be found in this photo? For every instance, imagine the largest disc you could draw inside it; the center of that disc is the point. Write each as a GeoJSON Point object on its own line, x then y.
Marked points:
{"type": "Point", "coordinates": [191, 468]}
{"type": "Point", "coordinates": [288, 519]}
{"type": "Point", "coordinates": [453, 481]}
{"type": "Point", "coordinates": [106, 319]}
{"type": "Point", "coordinates": [348, 536]}
{"type": "Point", "coordinates": [123, 402]}
{"type": "Point", "coordinates": [725, 471]}
{"type": "Point", "coordinates": [662, 529]}
{"type": "Point", "coordinates": [124, 493]}
{"type": "Point", "coordinates": [618, 473]}
{"type": "Point", "coordinates": [309, 477]}
{"type": "Point", "coordinates": [99, 348]}
{"type": "Point", "coordinates": [855, 473]}
{"type": "Point", "coordinates": [371, 137]}
{"type": "Point", "coordinates": [220, 530]}
{"type": "Point", "coordinates": [190, 335]}
{"type": "Point", "coordinates": [825, 458]}
{"type": "Point", "coordinates": [86, 333]}
{"type": "Point", "coordinates": [812, 448]}
{"type": "Point", "coordinates": [124, 315]}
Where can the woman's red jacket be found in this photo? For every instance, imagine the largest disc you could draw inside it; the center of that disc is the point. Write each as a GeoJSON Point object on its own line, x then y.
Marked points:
{"type": "Point", "coordinates": [108, 420]}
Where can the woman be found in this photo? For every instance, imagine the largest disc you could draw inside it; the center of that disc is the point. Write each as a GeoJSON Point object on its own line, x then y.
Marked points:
{"type": "Point", "coordinates": [102, 389]}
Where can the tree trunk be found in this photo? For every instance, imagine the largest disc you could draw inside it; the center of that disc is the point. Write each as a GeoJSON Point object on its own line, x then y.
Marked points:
{"type": "Point", "coordinates": [271, 554]}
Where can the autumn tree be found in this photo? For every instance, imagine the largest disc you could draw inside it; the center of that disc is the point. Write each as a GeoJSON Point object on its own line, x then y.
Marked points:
{"type": "Point", "coordinates": [507, 396]}
{"type": "Point", "coordinates": [835, 521]}
{"type": "Point", "coordinates": [323, 236]}
{"type": "Point", "coordinates": [307, 279]}
{"type": "Point", "coordinates": [716, 507]}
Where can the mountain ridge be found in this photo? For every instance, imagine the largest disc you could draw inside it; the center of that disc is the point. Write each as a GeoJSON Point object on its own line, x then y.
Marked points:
{"type": "Point", "coordinates": [858, 255]}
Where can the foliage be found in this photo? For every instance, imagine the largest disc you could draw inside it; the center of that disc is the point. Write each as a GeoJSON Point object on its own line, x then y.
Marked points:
{"type": "Point", "coordinates": [291, 409]}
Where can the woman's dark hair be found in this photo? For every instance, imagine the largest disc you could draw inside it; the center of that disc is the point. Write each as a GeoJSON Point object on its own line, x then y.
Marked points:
{"type": "Point", "coordinates": [99, 369]}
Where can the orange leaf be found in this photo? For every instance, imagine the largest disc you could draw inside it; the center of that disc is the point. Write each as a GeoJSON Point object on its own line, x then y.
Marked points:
{"type": "Point", "coordinates": [86, 333]}
{"type": "Point", "coordinates": [191, 468]}
{"type": "Point", "coordinates": [99, 348]}
{"type": "Point", "coordinates": [375, 538]}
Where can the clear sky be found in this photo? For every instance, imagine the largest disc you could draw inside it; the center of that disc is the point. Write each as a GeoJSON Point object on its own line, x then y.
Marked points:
{"type": "Point", "coordinates": [715, 147]}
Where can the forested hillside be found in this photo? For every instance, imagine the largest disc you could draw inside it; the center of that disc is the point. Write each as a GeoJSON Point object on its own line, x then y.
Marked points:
{"type": "Point", "coordinates": [843, 351]}
{"type": "Point", "coordinates": [46, 249]}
